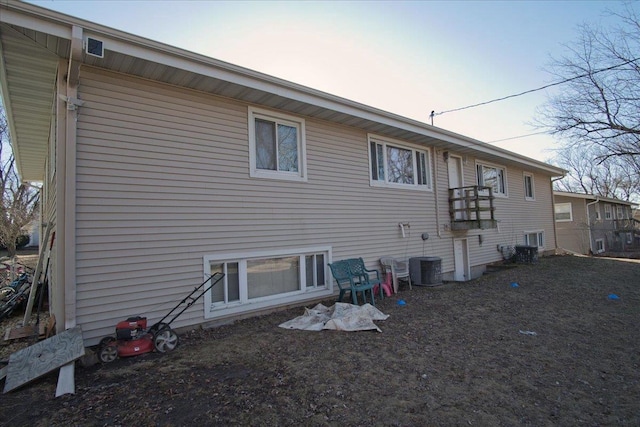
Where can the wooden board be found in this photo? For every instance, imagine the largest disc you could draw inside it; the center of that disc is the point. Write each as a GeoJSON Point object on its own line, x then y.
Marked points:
{"type": "Point", "coordinates": [41, 358]}
{"type": "Point", "coordinates": [66, 384]}
{"type": "Point", "coordinates": [22, 332]}
{"type": "Point", "coordinates": [45, 330]}
{"type": "Point", "coordinates": [36, 274]}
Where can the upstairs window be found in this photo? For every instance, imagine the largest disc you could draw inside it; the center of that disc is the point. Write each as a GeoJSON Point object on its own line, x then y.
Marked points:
{"type": "Point", "coordinates": [563, 212]}
{"type": "Point", "coordinates": [620, 212]}
{"type": "Point", "coordinates": [277, 146]}
{"type": "Point", "coordinates": [393, 164]}
{"type": "Point", "coordinates": [494, 177]}
{"type": "Point", "coordinates": [528, 187]}
{"type": "Point", "coordinates": [607, 211]}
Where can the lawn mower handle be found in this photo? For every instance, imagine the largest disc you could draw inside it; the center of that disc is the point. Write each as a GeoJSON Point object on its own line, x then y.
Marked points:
{"type": "Point", "coordinates": [189, 300]}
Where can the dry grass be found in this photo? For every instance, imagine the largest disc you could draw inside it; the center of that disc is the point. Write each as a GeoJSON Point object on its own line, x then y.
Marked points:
{"type": "Point", "coordinates": [454, 355]}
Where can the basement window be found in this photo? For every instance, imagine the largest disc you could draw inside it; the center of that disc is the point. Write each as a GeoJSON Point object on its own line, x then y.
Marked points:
{"type": "Point", "coordinates": [263, 279]}
{"type": "Point", "coordinates": [534, 238]}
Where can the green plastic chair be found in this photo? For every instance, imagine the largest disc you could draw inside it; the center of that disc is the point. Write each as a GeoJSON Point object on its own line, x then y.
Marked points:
{"type": "Point", "coordinates": [365, 275]}
{"type": "Point", "coordinates": [347, 281]}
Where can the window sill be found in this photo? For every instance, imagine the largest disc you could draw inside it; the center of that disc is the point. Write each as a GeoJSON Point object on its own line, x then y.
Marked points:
{"type": "Point", "coordinates": [410, 187]}
{"type": "Point", "coordinates": [266, 302]}
{"type": "Point", "coordinates": [280, 176]}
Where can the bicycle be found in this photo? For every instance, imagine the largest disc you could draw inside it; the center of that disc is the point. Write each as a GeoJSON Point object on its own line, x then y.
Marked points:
{"type": "Point", "coordinates": [24, 275]}
{"type": "Point", "coordinates": [16, 293]}
{"type": "Point", "coordinates": [6, 271]}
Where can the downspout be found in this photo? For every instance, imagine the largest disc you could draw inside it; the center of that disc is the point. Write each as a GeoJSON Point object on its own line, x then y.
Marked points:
{"type": "Point", "coordinates": [69, 219]}
{"type": "Point", "coordinates": [58, 293]}
{"type": "Point", "coordinates": [553, 215]}
{"type": "Point", "coordinates": [589, 225]}
{"type": "Point", "coordinates": [66, 201]}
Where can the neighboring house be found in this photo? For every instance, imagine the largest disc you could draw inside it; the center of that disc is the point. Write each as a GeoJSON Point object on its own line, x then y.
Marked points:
{"type": "Point", "coordinates": [34, 232]}
{"type": "Point", "coordinates": [589, 224]}
{"type": "Point", "coordinates": [161, 166]}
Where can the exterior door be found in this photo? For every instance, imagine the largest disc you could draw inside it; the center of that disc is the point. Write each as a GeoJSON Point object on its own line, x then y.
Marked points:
{"type": "Point", "coordinates": [455, 181]}
{"type": "Point", "coordinates": [460, 260]}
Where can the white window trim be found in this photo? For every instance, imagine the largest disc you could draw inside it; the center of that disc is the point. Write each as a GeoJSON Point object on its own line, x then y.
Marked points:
{"type": "Point", "coordinates": [607, 212]}
{"type": "Point", "coordinates": [533, 185]}
{"type": "Point", "coordinates": [596, 208]}
{"type": "Point", "coordinates": [570, 212]}
{"type": "Point", "coordinates": [599, 251]}
{"type": "Point", "coordinates": [298, 122]}
{"type": "Point", "coordinates": [619, 212]}
{"type": "Point", "coordinates": [407, 146]}
{"type": "Point", "coordinates": [629, 238]}
{"type": "Point", "coordinates": [244, 304]}
{"type": "Point", "coordinates": [504, 177]}
{"type": "Point", "coordinates": [538, 232]}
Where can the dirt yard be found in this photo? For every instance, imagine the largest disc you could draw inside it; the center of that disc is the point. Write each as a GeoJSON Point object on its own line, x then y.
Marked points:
{"type": "Point", "coordinates": [555, 350]}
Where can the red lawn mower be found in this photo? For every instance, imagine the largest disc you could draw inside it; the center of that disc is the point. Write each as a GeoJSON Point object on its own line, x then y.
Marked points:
{"type": "Point", "coordinates": [133, 337]}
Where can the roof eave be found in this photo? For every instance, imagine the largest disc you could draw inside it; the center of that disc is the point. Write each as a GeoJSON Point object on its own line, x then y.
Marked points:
{"type": "Point", "coordinates": [592, 197]}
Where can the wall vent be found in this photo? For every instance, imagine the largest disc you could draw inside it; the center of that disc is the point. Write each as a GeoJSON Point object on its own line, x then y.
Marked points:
{"type": "Point", "coordinates": [95, 47]}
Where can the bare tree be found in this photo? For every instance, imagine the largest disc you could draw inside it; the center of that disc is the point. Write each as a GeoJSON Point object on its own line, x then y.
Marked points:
{"type": "Point", "coordinates": [19, 200]}
{"type": "Point", "coordinates": [599, 104]}
{"type": "Point", "coordinates": [609, 177]}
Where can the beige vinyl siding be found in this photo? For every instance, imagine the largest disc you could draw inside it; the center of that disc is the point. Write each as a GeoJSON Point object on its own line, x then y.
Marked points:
{"type": "Point", "coordinates": [49, 217]}
{"type": "Point", "coordinates": [521, 215]}
{"type": "Point", "coordinates": [574, 235]}
{"type": "Point", "coordinates": [151, 171]}
{"type": "Point", "coordinates": [163, 180]}
{"type": "Point", "coordinates": [441, 245]}
{"type": "Point", "coordinates": [517, 215]}
{"type": "Point", "coordinates": [514, 214]}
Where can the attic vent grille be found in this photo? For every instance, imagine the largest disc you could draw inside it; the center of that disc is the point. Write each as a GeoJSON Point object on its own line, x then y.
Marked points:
{"type": "Point", "coordinates": [95, 47]}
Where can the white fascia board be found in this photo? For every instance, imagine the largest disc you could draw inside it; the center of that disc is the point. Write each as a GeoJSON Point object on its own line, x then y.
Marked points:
{"type": "Point", "coordinates": [575, 195]}
{"type": "Point", "coordinates": [34, 22]}
{"type": "Point", "coordinates": [592, 197]}
{"type": "Point", "coordinates": [6, 102]}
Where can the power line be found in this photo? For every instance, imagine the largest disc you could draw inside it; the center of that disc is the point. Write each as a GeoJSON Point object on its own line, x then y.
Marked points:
{"type": "Point", "coordinates": [516, 137]}
{"type": "Point", "coordinates": [433, 113]}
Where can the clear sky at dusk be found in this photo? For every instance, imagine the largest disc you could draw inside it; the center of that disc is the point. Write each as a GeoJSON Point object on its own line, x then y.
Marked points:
{"type": "Point", "coordinates": [408, 58]}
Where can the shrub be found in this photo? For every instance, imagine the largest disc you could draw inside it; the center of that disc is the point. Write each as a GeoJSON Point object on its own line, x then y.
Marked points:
{"type": "Point", "coordinates": [22, 241]}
